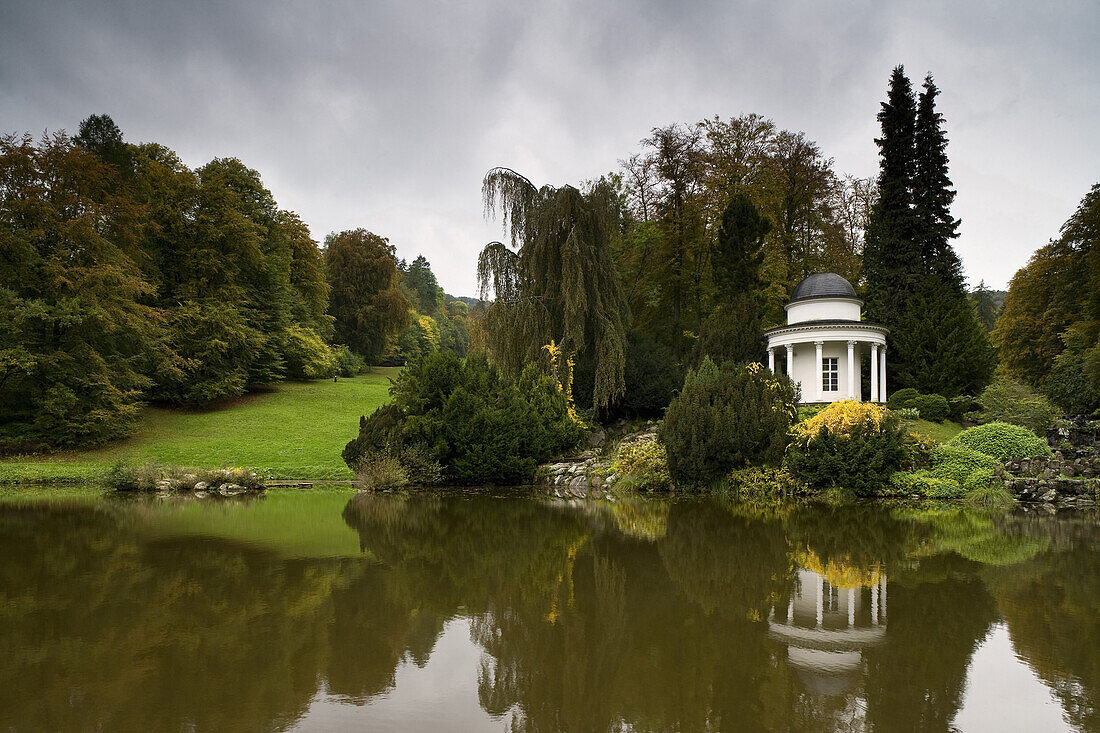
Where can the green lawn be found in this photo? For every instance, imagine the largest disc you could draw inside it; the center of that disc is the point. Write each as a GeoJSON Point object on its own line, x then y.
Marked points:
{"type": "Point", "coordinates": [939, 432]}
{"type": "Point", "coordinates": [294, 432]}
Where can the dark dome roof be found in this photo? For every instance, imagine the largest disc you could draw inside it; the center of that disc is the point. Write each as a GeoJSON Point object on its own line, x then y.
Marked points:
{"type": "Point", "coordinates": [823, 285]}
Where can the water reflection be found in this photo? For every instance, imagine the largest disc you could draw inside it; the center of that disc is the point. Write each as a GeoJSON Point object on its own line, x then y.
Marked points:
{"type": "Point", "coordinates": [533, 615]}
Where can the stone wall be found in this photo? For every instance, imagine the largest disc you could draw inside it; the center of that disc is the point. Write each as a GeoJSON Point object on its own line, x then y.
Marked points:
{"type": "Point", "coordinates": [1068, 477]}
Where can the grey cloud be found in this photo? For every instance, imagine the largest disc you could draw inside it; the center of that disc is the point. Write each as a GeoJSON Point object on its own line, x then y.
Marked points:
{"type": "Point", "coordinates": [386, 115]}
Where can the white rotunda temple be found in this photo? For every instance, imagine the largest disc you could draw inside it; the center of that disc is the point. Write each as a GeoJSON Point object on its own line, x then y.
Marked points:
{"type": "Point", "coordinates": [825, 342]}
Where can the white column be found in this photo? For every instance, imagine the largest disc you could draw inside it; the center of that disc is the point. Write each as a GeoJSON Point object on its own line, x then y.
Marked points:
{"type": "Point", "coordinates": [790, 361]}
{"type": "Point", "coordinates": [851, 370]}
{"type": "Point", "coordinates": [790, 610]}
{"type": "Point", "coordinates": [874, 604]}
{"type": "Point", "coordinates": [851, 607]}
{"type": "Point", "coordinates": [882, 594]}
{"type": "Point", "coordinates": [874, 372]}
{"type": "Point", "coordinates": [820, 373]}
{"type": "Point", "coordinates": [882, 379]}
{"type": "Point", "coordinates": [771, 359]}
{"type": "Point", "coordinates": [820, 601]}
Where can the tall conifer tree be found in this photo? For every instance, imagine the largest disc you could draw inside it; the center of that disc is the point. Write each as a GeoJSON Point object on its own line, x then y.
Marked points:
{"type": "Point", "coordinates": [933, 194]}
{"type": "Point", "coordinates": [892, 262]}
{"type": "Point", "coordinates": [914, 278]}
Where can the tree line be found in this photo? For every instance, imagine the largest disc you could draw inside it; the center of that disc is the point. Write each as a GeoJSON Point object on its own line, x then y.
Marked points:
{"type": "Point", "coordinates": [127, 276]}
{"type": "Point", "coordinates": [692, 249]}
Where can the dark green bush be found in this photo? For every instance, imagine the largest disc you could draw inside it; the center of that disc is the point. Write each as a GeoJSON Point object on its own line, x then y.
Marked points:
{"type": "Point", "coordinates": [958, 407]}
{"type": "Point", "coordinates": [348, 363]}
{"type": "Point", "coordinates": [902, 398]}
{"type": "Point", "coordinates": [1009, 401]}
{"type": "Point", "coordinates": [862, 460]}
{"type": "Point", "coordinates": [931, 407]}
{"type": "Point", "coordinates": [1002, 441]}
{"type": "Point", "coordinates": [725, 419]}
{"type": "Point", "coordinates": [479, 426]}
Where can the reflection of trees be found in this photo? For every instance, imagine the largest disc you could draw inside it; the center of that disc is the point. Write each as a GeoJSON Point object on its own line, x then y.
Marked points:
{"type": "Point", "coordinates": [1050, 605]}
{"type": "Point", "coordinates": [653, 621]}
{"type": "Point", "coordinates": [101, 632]}
{"type": "Point", "coordinates": [725, 562]}
{"type": "Point", "coordinates": [915, 680]}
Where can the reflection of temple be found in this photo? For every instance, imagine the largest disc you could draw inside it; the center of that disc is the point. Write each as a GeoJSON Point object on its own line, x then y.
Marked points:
{"type": "Point", "coordinates": [827, 626]}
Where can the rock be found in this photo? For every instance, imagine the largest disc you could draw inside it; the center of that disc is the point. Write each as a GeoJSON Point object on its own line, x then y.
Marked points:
{"type": "Point", "coordinates": [201, 486]}
{"type": "Point", "coordinates": [578, 487]}
{"type": "Point", "coordinates": [596, 437]}
{"type": "Point", "coordinates": [1051, 495]}
{"type": "Point", "coordinates": [201, 494]}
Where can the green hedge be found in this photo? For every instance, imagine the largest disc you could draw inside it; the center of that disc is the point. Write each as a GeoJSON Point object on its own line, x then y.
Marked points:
{"type": "Point", "coordinates": [958, 463]}
{"type": "Point", "coordinates": [1002, 441]}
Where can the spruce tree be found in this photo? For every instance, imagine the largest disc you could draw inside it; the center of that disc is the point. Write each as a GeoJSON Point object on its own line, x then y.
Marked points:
{"type": "Point", "coordinates": [933, 194]}
{"type": "Point", "coordinates": [892, 262]}
{"type": "Point", "coordinates": [938, 346]}
{"type": "Point", "coordinates": [914, 278]}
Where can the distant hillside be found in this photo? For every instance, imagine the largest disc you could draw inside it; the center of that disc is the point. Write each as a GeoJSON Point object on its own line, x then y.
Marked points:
{"type": "Point", "coordinates": [471, 303]}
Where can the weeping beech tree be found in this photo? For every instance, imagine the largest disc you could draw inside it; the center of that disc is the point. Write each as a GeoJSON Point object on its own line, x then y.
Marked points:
{"type": "Point", "coordinates": [555, 282]}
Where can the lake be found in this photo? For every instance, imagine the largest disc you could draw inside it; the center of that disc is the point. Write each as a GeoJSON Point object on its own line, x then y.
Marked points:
{"type": "Point", "coordinates": [331, 611]}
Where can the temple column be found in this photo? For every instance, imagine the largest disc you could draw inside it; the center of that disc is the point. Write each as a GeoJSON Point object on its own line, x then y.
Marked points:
{"type": "Point", "coordinates": [874, 372]}
{"type": "Point", "coordinates": [820, 601]}
{"type": "Point", "coordinates": [851, 370]}
{"type": "Point", "coordinates": [882, 594]}
{"type": "Point", "coordinates": [790, 361]}
{"type": "Point", "coordinates": [851, 607]}
{"type": "Point", "coordinates": [882, 377]}
{"type": "Point", "coordinates": [820, 372]}
{"type": "Point", "coordinates": [874, 604]}
{"type": "Point", "coordinates": [771, 359]}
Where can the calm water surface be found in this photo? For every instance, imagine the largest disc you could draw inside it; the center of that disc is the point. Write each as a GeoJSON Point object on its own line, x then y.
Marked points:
{"type": "Point", "coordinates": [329, 611]}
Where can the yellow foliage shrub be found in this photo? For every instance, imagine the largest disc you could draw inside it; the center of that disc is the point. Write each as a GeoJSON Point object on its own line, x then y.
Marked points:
{"type": "Point", "coordinates": [840, 417]}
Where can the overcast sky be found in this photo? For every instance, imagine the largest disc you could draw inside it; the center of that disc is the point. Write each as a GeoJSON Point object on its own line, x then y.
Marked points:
{"type": "Point", "coordinates": [387, 115]}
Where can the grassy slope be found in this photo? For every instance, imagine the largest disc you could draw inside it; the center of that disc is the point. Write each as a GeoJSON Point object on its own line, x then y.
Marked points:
{"type": "Point", "coordinates": [296, 431]}
{"type": "Point", "coordinates": [939, 432]}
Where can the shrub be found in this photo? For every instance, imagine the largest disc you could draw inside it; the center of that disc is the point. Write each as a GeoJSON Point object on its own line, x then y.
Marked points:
{"type": "Point", "coordinates": [907, 413]}
{"type": "Point", "coordinates": [960, 406]}
{"type": "Point", "coordinates": [853, 445]}
{"type": "Point", "coordinates": [901, 398]}
{"type": "Point", "coordinates": [959, 464]}
{"type": "Point", "coordinates": [989, 497]}
{"type": "Point", "coordinates": [839, 418]}
{"type": "Point", "coordinates": [480, 427]}
{"type": "Point", "coordinates": [923, 483]}
{"type": "Point", "coordinates": [979, 479]}
{"type": "Point", "coordinates": [1009, 401]}
{"type": "Point", "coordinates": [1002, 441]}
{"type": "Point", "coordinates": [348, 363]}
{"type": "Point", "coordinates": [381, 471]}
{"type": "Point", "coordinates": [765, 482]}
{"type": "Point", "coordinates": [725, 419]}
{"type": "Point", "coordinates": [306, 354]}
{"type": "Point", "coordinates": [939, 488]}
{"type": "Point", "coordinates": [643, 466]}
{"type": "Point", "coordinates": [931, 407]}
{"type": "Point", "coordinates": [379, 433]}
{"type": "Point", "coordinates": [918, 450]}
